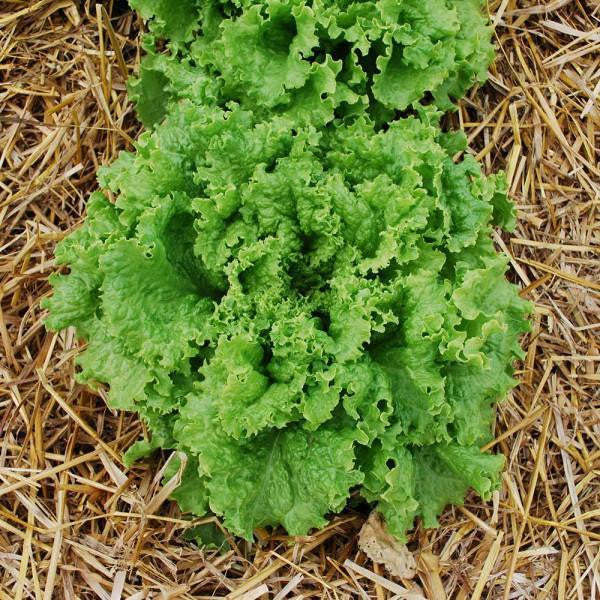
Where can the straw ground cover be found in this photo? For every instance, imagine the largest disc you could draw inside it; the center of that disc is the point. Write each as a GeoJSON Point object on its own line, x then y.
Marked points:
{"type": "Point", "coordinates": [75, 523]}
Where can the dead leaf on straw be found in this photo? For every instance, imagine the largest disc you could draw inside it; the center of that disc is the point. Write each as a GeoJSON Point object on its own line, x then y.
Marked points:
{"type": "Point", "coordinates": [375, 541]}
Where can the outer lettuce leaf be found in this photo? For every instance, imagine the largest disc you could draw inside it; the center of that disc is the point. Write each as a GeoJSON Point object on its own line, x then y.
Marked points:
{"type": "Point", "coordinates": [75, 297]}
{"type": "Point", "coordinates": [291, 476]}
{"type": "Point", "coordinates": [135, 283]}
{"type": "Point", "coordinates": [390, 480]}
{"type": "Point", "coordinates": [444, 474]}
{"type": "Point", "coordinates": [105, 360]}
{"type": "Point", "coordinates": [191, 495]}
{"type": "Point", "coordinates": [176, 21]}
{"type": "Point", "coordinates": [421, 481]}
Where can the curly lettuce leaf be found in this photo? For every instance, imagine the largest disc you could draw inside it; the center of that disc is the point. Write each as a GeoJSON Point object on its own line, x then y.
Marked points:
{"type": "Point", "coordinates": [410, 481]}
{"type": "Point", "coordinates": [291, 476]}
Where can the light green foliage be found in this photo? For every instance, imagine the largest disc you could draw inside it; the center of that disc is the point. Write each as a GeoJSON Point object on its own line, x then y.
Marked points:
{"type": "Point", "coordinates": [312, 59]}
{"type": "Point", "coordinates": [208, 536]}
{"type": "Point", "coordinates": [302, 301]}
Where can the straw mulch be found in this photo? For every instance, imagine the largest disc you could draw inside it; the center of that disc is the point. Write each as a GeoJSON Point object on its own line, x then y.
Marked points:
{"type": "Point", "coordinates": [76, 524]}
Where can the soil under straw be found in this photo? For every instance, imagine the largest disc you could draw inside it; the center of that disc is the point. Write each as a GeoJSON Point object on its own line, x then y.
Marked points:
{"type": "Point", "coordinates": [75, 523]}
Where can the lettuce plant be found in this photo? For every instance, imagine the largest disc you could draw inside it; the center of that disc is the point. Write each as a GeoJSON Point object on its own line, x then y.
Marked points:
{"type": "Point", "coordinates": [301, 297]}
{"type": "Point", "coordinates": [312, 59]}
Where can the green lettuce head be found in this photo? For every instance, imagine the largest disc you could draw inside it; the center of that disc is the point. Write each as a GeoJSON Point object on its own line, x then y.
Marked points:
{"type": "Point", "coordinates": [312, 59]}
{"type": "Point", "coordinates": [301, 298]}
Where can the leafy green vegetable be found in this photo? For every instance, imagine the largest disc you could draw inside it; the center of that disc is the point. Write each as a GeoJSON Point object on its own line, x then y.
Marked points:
{"type": "Point", "coordinates": [301, 299]}
{"type": "Point", "coordinates": [208, 537]}
{"type": "Point", "coordinates": [312, 59]}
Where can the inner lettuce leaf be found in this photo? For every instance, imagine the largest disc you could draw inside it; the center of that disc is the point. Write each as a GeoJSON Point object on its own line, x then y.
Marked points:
{"type": "Point", "coordinates": [295, 284]}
